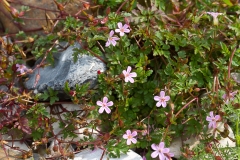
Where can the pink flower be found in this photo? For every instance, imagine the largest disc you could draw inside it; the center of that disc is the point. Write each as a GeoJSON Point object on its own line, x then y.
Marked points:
{"type": "Point", "coordinates": [111, 39]}
{"type": "Point", "coordinates": [128, 76]}
{"type": "Point", "coordinates": [160, 151]}
{"type": "Point", "coordinates": [21, 68]}
{"type": "Point", "coordinates": [104, 105]}
{"type": "Point", "coordinates": [162, 99]}
{"type": "Point", "coordinates": [212, 120]}
{"type": "Point", "coordinates": [130, 137]}
{"type": "Point", "coordinates": [230, 97]}
{"type": "Point", "coordinates": [122, 29]}
{"type": "Point", "coordinates": [214, 15]}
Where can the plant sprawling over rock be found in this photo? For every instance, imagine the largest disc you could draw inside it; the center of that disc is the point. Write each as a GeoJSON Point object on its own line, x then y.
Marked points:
{"type": "Point", "coordinates": [172, 71]}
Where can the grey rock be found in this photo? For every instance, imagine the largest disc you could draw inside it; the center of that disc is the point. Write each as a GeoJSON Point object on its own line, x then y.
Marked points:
{"type": "Point", "coordinates": [236, 77]}
{"type": "Point", "coordinates": [65, 70]}
{"type": "Point", "coordinates": [193, 141]}
{"type": "Point", "coordinates": [96, 154]}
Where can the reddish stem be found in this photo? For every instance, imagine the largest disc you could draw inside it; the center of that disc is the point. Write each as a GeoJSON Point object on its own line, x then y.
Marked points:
{"type": "Point", "coordinates": [194, 99]}
{"type": "Point", "coordinates": [118, 11]}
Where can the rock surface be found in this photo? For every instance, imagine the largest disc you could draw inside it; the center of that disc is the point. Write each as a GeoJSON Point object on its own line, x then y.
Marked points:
{"type": "Point", "coordinates": [96, 154]}
{"type": "Point", "coordinates": [12, 153]}
{"type": "Point", "coordinates": [79, 130]}
{"type": "Point", "coordinates": [236, 77]}
{"type": "Point", "coordinates": [177, 143]}
{"type": "Point", "coordinates": [65, 70]}
{"type": "Point", "coordinates": [36, 17]}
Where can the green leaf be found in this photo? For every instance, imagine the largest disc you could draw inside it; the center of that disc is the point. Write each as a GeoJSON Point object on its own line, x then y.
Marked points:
{"type": "Point", "coordinates": [181, 54]}
{"type": "Point", "coordinates": [53, 99]}
{"type": "Point", "coordinates": [228, 2]}
{"type": "Point", "coordinates": [44, 96]}
{"type": "Point", "coordinates": [66, 87]}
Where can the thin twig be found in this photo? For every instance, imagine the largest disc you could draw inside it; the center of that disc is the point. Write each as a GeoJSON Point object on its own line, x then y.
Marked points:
{"type": "Point", "coordinates": [230, 62]}
{"type": "Point", "coordinates": [194, 99]}
{"type": "Point", "coordinates": [96, 55]}
{"type": "Point", "coordinates": [118, 11]}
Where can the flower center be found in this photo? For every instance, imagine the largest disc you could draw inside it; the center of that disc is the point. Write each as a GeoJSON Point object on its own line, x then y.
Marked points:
{"type": "Point", "coordinates": [129, 136]}
{"type": "Point", "coordinates": [162, 99]}
{"type": "Point", "coordinates": [160, 150]}
{"type": "Point", "coordinates": [104, 104]}
{"type": "Point", "coordinates": [122, 30]}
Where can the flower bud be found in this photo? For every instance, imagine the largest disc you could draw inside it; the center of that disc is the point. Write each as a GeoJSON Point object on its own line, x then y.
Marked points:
{"type": "Point", "coordinates": [55, 148]}
{"type": "Point", "coordinates": [197, 89]}
{"type": "Point", "coordinates": [44, 140]}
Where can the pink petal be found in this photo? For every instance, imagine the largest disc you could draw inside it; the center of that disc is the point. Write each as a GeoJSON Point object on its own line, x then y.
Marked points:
{"type": "Point", "coordinates": [125, 26]}
{"type": "Point", "coordinates": [154, 147]}
{"type": "Point", "coordinates": [134, 133]}
{"type": "Point", "coordinates": [111, 33]}
{"type": "Point", "coordinates": [101, 110]}
{"type": "Point", "coordinates": [162, 156]}
{"type": "Point", "coordinates": [234, 93]}
{"type": "Point", "coordinates": [167, 98]}
{"type": "Point", "coordinates": [134, 140]}
{"type": "Point", "coordinates": [129, 68]}
{"type": "Point", "coordinates": [121, 34]}
{"type": "Point", "coordinates": [217, 117]}
{"type": "Point", "coordinates": [128, 132]}
{"type": "Point", "coordinates": [214, 124]}
{"type": "Point", "coordinates": [115, 38]}
{"type": "Point", "coordinates": [99, 103]}
{"type": "Point", "coordinates": [224, 96]}
{"type": "Point", "coordinates": [128, 142]}
{"type": "Point", "coordinates": [133, 74]}
{"type": "Point", "coordinates": [126, 79]}
{"type": "Point", "coordinates": [17, 65]}
{"type": "Point", "coordinates": [171, 154]}
{"type": "Point", "coordinates": [211, 114]}
{"type": "Point", "coordinates": [154, 154]}
{"type": "Point", "coordinates": [109, 103]}
{"type": "Point", "coordinates": [209, 119]}
{"type": "Point", "coordinates": [126, 30]}
{"type": "Point", "coordinates": [125, 136]}
{"type": "Point", "coordinates": [161, 145]}
{"type": "Point", "coordinates": [114, 43]}
{"type": "Point", "coordinates": [20, 70]}
{"type": "Point", "coordinates": [131, 79]}
{"type": "Point", "coordinates": [117, 30]}
{"type": "Point", "coordinates": [162, 94]}
{"type": "Point", "coordinates": [124, 72]}
{"type": "Point", "coordinates": [119, 25]}
{"type": "Point", "coordinates": [156, 98]}
{"type": "Point", "coordinates": [105, 99]}
{"type": "Point", "coordinates": [164, 104]}
{"type": "Point", "coordinates": [210, 125]}
{"type": "Point", "coordinates": [107, 44]}
{"type": "Point", "coordinates": [108, 110]}
{"type": "Point", "coordinates": [165, 150]}
{"type": "Point", "coordinates": [158, 104]}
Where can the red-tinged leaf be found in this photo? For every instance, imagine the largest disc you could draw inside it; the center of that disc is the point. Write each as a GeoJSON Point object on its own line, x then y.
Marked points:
{"type": "Point", "coordinates": [23, 122]}
{"type": "Point", "coordinates": [4, 110]}
{"type": "Point", "coordinates": [2, 80]}
{"type": "Point", "coordinates": [86, 5]}
{"type": "Point", "coordinates": [104, 20]}
{"type": "Point", "coordinates": [108, 10]}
